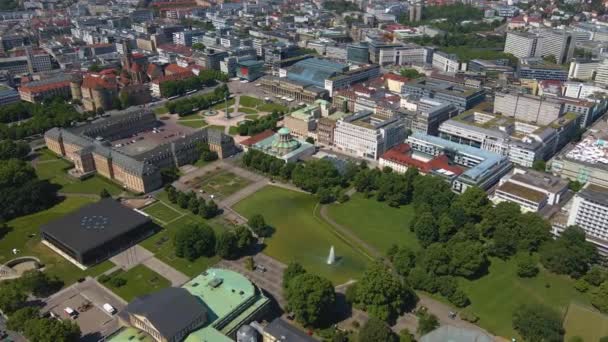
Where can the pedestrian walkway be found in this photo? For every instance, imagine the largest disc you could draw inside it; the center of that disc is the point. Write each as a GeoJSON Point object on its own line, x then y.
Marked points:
{"type": "Point", "coordinates": [137, 255]}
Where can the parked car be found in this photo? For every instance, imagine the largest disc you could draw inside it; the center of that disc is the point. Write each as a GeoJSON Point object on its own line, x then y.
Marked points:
{"type": "Point", "coordinates": [109, 308]}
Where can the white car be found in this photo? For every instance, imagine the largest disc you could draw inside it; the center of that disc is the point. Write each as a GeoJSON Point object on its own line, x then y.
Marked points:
{"type": "Point", "coordinates": [109, 308]}
{"type": "Point", "coordinates": [71, 312]}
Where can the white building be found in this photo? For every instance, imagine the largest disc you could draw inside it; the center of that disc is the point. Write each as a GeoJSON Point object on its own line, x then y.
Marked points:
{"type": "Point", "coordinates": [589, 211]}
{"type": "Point", "coordinates": [531, 190]}
{"type": "Point", "coordinates": [366, 135]}
{"type": "Point", "coordinates": [447, 62]}
{"type": "Point", "coordinates": [582, 70]}
{"type": "Point", "coordinates": [521, 44]}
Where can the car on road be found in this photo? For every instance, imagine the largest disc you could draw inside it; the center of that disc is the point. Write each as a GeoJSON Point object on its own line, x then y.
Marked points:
{"type": "Point", "coordinates": [109, 308]}
{"type": "Point", "coordinates": [71, 312]}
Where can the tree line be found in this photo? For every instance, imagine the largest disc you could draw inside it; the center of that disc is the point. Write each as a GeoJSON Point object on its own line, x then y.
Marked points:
{"type": "Point", "coordinates": [205, 78]}
{"type": "Point", "coordinates": [199, 240]}
{"type": "Point", "coordinates": [253, 127]}
{"type": "Point", "coordinates": [25, 318]}
{"type": "Point", "coordinates": [190, 201]}
{"type": "Point", "coordinates": [192, 103]}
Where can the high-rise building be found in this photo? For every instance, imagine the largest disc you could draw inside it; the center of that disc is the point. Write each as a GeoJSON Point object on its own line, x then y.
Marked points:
{"type": "Point", "coordinates": [601, 75]}
{"type": "Point", "coordinates": [521, 44]}
{"type": "Point", "coordinates": [589, 211]}
{"type": "Point", "coordinates": [583, 69]}
{"type": "Point", "coordinates": [557, 43]}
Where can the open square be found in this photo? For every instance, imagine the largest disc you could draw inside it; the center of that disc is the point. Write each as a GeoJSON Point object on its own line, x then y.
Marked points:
{"type": "Point", "coordinates": [140, 280]}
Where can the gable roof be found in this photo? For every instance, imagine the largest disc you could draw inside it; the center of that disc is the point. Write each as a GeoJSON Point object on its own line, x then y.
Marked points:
{"type": "Point", "coordinates": [170, 310]}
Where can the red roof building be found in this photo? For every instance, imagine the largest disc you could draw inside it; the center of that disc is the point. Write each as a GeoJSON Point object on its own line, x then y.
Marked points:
{"type": "Point", "coordinates": [256, 138]}
{"type": "Point", "coordinates": [400, 158]}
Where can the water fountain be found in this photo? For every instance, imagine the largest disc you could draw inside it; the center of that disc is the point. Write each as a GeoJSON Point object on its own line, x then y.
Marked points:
{"type": "Point", "coordinates": [331, 259]}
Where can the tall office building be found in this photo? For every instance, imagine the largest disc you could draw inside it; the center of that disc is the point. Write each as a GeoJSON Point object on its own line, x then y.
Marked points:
{"type": "Point", "coordinates": [589, 211]}
{"type": "Point", "coordinates": [601, 74]}
{"type": "Point", "coordinates": [558, 43]}
{"type": "Point", "coordinates": [521, 44]}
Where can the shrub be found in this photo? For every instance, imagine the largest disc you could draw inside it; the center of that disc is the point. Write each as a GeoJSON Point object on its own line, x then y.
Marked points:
{"type": "Point", "coordinates": [468, 316]}
{"type": "Point", "coordinates": [118, 282]}
{"type": "Point", "coordinates": [104, 278]}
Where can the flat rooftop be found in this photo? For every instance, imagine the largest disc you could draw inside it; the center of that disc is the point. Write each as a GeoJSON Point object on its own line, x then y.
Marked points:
{"type": "Point", "coordinates": [522, 192]}
{"type": "Point", "coordinates": [94, 225]}
{"type": "Point", "coordinates": [592, 150]}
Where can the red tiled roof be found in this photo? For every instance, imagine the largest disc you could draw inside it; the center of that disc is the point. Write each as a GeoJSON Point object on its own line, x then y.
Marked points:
{"type": "Point", "coordinates": [257, 138]}
{"type": "Point", "coordinates": [107, 81]}
{"type": "Point", "coordinates": [395, 77]}
{"type": "Point", "coordinates": [44, 87]}
{"type": "Point", "coordinates": [175, 69]}
{"type": "Point", "coordinates": [183, 50]}
{"type": "Point", "coordinates": [173, 77]}
{"type": "Point", "coordinates": [402, 154]}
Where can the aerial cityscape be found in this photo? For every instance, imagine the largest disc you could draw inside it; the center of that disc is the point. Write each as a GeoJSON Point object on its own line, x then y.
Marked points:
{"type": "Point", "coordinates": [296, 171]}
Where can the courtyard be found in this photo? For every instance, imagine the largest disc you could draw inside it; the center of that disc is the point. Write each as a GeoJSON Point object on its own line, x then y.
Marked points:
{"type": "Point", "coordinates": [217, 183]}
{"type": "Point", "coordinates": [140, 280]}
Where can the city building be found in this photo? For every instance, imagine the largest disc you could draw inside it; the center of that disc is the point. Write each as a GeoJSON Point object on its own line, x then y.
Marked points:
{"type": "Point", "coordinates": [521, 44]}
{"type": "Point", "coordinates": [541, 43]}
{"type": "Point", "coordinates": [298, 91]}
{"type": "Point", "coordinates": [354, 75]}
{"type": "Point", "coordinates": [96, 90]}
{"type": "Point", "coordinates": [303, 122]}
{"type": "Point", "coordinates": [358, 53]}
{"type": "Point", "coordinates": [482, 168]}
{"type": "Point", "coordinates": [37, 91]}
{"type": "Point", "coordinates": [429, 114]}
{"type": "Point", "coordinates": [367, 135]}
{"type": "Point", "coordinates": [583, 69]}
{"type": "Point", "coordinates": [537, 69]}
{"type": "Point", "coordinates": [210, 307]}
{"type": "Point", "coordinates": [9, 96]}
{"type": "Point", "coordinates": [96, 232]}
{"type": "Point", "coordinates": [447, 62]}
{"type": "Point", "coordinates": [589, 211]}
{"type": "Point", "coordinates": [401, 157]}
{"type": "Point", "coordinates": [462, 97]}
{"type": "Point", "coordinates": [108, 147]}
{"type": "Point", "coordinates": [586, 162]}
{"type": "Point", "coordinates": [185, 38]}
{"type": "Point", "coordinates": [529, 108]}
{"type": "Point", "coordinates": [279, 331]}
{"type": "Point", "coordinates": [532, 190]}
{"type": "Point", "coordinates": [283, 145]}
{"type": "Point", "coordinates": [250, 70]}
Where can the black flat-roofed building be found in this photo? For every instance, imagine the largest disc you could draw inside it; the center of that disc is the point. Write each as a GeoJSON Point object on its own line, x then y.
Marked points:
{"type": "Point", "coordinates": [97, 231]}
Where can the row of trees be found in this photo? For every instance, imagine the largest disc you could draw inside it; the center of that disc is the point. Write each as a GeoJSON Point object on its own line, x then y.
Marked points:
{"type": "Point", "coordinates": [51, 113]}
{"type": "Point", "coordinates": [253, 127]}
{"type": "Point", "coordinates": [206, 78]}
{"type": "Point", "coordinates": [196, 240]}
{"type": "Point", "coordinates": [192, 103]}
{"type": "Point", "coordinates": [25, 318]}
{"type": "Point", "coordinates": [189, 200]}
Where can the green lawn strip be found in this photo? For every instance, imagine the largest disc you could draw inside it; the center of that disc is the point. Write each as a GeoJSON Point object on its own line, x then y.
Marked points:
{"type": "Point", "coordinates": [300, 236]}
{"type": "Point", "coordinates": [584, 322]}
{"type": "Point", "coordinates": [495, 296]}
{"type": "Point", "coordinates": [194, 123]}
{"type": "Point", "coordinates": [269, 107]}
{"type": "Point", "coordinates": [248, 101]}
{"type": "Point", "coordinates": [45, 155]}
{"type": "Point", "coordinates": [220, 183]}
{"type": "Point", "coordinates": [222, 105]}
{"type": "Point", "coordinates": [217, 127]}
{"type": "Point", "coordinates": [161, 110]}
{"type": "Point", "coordinates": [248, 111]}
{"type": "Point", "coordinates": [55, 171]}
{"type": "Point", "coordinates": [233, 130]}
{"type": "Point", "coordinates": [55, 265]}
{"type": "Point", "coordinates": [190, 117]}
{"type": "Point", "coordinates": [375, 222]}
{"type": "Point", "coordinates": [140, 281]}
{"type": "Point", "coordinates": [252, 116]}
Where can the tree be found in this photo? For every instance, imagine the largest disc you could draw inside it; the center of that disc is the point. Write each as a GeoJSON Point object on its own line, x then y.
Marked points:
{"type": "Point", "coordinates": [51, 330]}
{"type": "Point", "coordinates": [410, 73]}
{"type": "Point", "coordinates": [293, 270]}
{"type": "Point", "coordinates": [209, 210]}
{"type": "Point", "coordinates": [406, 336]}
{"type": "Point", "coordinates": [104, 193]}
{"type": "Point", "coordinates": [183, 200]}
{"type": "Point", "coordinates": [126, 100]}
{"type": "Point", "coordinates": [311, 298]}
{"type": "Point", "coordinates": [539, 165]}
{"type": "Point", "coordinates": [12, 298]}
{"type": "Point", "coordinates": [18, 319]}
{"type": "Point", "coordinates": [535, 322]}
{"type": "Point", "coordinates": [193, 241]}
{"type": "Point", "coordinates": [426, 323]}
{"type": "Point", "coordinates": [326, 196]}
{"type": "Point", "coordinates": [382, 294]}
{"type": "Point", "coordinates": [550, 59]}
{"type": "Point", "coordinates": [375, 330]}
{"type": "Point", "coordinates": [259, 226]}
{"type": "Point", "coordinates": [459, 298]}
{"type": "Point", "coordinates": [467, 258]}
{"type": "Point", "coordinates": [426, 229]}
{"type": "Point", "coordinates": [526, 267]}
{"type": "Point", "coordinates": [473, 203]}
{"type": "Point", "coordinates": [39, 283]}
{"type": "Point", "coordinates": [244, 238]}
{"type": "Point", "coordinates": [226, 245]}
{"type": "Point", "coordinates": [403, 260]}
{"type": "Point", "coordinates": [569, 254]}
{"type": "Point", "coordinates": [596, 276]}
{"type": "Point", "coordinates": [310, 140]}
{"type": "Point", "coordinates": [599, 298]}
{"type": "Point", "coordinates": [198, 46]}
{"type": "Point", "coordinates": [10, 149]}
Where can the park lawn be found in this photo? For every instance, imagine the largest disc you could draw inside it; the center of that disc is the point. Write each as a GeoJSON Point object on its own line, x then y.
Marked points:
{"type": "Point", "coordinates": [193, 123]}
{"type": "Point", "coordinates": [140, 281]}
{"type": "Point", "coordinates": [302, 236]}
{"type": "Point", "coordinates": [161, 110]}
{"type": "Point", "coordinates": [45, 155]}
{"type": "Point", "coordinates": [55, 171]}
{"type": "Point", "coordinates": [23, 227]}
{"type": "Point", "coordinates": [495, 296]}
{"type": "Point", "coordinates": [247, 111]}
{"type": "Point", "coordinates": [220, 184]}
{"type": "Point", "coordinates": [248, 101]}
{"type": "Point", "coordinates": [162, 212]}
{"type": "Point", "coordinates": [269, 107]}
{"type": "Point", "coordinates": [587, 323]}
{"type": "Point", "coordinates": [190, 117]}
{"type": "Point", "coordinates": [376, 222]}
{"type": "Point", "coordinates": [217, 127]}
{"type": "Point", "coordinates": [233, 130]}
{"type": "Point", "coordinates": [161, 243]}
{"type": "Point", "coordinates": [252, 116]}
{"type": "Point", "coordinates": [222, 105]}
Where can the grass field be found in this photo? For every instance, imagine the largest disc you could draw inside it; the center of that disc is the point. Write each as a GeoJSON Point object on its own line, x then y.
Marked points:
{"type": "Point", "coordinates": [248, 101]}
{"type": "Point", "coordinates": [252, 116]}
{"type": "Point", "coordinates": [220, 183]}
{"type": "Point", "coordinates": [162, 212]}
{"type": "Point", "coordinates": [269, 107]}
{"type": "Point", "coordinates": [24, 235]}
{"type": "Point", "coordinates": [222, 105]}
{"type": "Point", "coordinates": [302, 236]}
{"type": "Point", "coordinates": [586, 323]}
{"type": "Point", "coordinates": [248, 111]}
{"type": "Point", "coordinates": [140, 281]}
{"type": "Point", "coordinates": [161, 110]}
{"type": "Point", "coordinates": [161, 243]}
{"type": "Point", "coordinates": [375, 222]}
{"type": "Point", "coordinates": [190, 117]}
{"type": "Point", "coordinates": [55, 171]}
{"type": "Point", "coordinates": [217, 127]}
{"type": "Point", "coordinates": [233, 130]}
{"type": "Point", "coordinates": [495, 296]}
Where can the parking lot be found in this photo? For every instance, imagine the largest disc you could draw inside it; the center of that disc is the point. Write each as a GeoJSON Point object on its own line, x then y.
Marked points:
{"type": "Point", "coordinates": [87, 298]}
